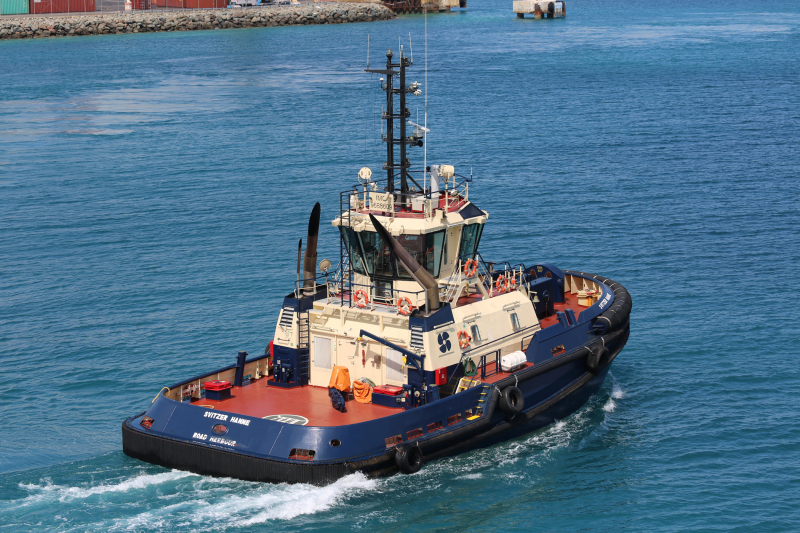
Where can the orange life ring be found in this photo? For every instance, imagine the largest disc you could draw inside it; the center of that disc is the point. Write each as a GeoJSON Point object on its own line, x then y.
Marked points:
{"type": "Point", "coordinates": [502, 284]}
{"type": "Point", "coordinates": [463, 339]}
{"type": "Point", "coordinates": [359, 303]}
{"type": "Point", "coordinates": [407, 310]}
{"type": "Point", "coordinates": [470, 272]}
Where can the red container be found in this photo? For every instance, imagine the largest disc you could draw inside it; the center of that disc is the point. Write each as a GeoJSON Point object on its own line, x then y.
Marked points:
{"type": "Point", "coordinates": [192, 4]}
{"type": "Point", "coordinates": [140, 5]}
{"type": "Point", "coordinates": [61, 6]}
{"type": "Point", "coordinates": [388, 389]}
{"type": "Point", "coordinates": [441, 376]}
{"type": "Point", "coordinates": [217, 385]}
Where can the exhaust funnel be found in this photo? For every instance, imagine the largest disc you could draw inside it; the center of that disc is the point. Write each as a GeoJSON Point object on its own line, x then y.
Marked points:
{"type": "Point", "coordinates": [310, 260]}
{"type": "Point", "coordinates": [420, 275]}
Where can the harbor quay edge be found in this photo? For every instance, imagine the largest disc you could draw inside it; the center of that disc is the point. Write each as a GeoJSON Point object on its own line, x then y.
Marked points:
{"type": "Point", "coordinates": [160, 21]}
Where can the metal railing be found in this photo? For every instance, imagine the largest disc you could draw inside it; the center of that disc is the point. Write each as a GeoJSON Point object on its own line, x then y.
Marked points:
{"type": "Point", "coordinates": [360, 199]}
{"type": "Point", "coordinates": [377, 296]}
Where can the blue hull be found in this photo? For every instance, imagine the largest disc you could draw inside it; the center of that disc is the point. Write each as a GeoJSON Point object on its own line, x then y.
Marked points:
{"type": "Point", "coordinates": [550, 394]}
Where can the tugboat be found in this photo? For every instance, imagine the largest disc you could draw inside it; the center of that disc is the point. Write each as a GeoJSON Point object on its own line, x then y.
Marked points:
{"type": "Point", "coordinates": [415, 347]}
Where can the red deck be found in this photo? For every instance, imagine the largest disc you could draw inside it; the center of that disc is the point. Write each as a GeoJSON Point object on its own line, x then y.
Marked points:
{"type": "Point", "coordinates": [259, 400]}
{"type": "Point", "coordinates": [570, 302]}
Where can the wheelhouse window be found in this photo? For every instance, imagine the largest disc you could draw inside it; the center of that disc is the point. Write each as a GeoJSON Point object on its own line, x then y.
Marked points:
{"type": "Point", "coordinates": [476, 333]}
{"type": "Point", "coordinates": [371, 256]}
{"type": "Point", "coordinates": [377, 255]}
{"type": "Point", "coordinates": [353, 249]}
{"type": "Point", "coordinates": [470, 237]}
{"type": "Point", "coordinates": [425, 249]}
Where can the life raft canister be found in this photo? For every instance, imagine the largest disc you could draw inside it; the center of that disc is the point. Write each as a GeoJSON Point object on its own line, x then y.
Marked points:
{"type": "Point", "coordinates": [361, 293]}
{"type": "Point", "coordinates": [463, 339]}
{"type": "Point", "coordinates": [405, 311]}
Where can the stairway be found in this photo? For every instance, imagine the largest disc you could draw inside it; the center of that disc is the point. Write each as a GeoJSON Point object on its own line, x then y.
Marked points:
{"type": "Point", "coordinates": [483, 401]}
{"type": "Point", "coordinates": [303, 348]}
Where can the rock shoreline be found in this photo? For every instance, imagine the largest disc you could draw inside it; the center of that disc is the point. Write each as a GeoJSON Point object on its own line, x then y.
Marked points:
{"type": "Point", "coordinates": [210, 19]}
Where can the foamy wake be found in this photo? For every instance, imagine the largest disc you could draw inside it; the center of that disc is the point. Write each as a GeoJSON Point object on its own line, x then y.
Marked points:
{"type": "Point", "coordinates": [252, 503]}
{"type": "Point", "coordinates": [616, 394]}
{"type": "Point", "coordinates": [47, 490]}
{"type": "Point", "coordinates": [198, 501]}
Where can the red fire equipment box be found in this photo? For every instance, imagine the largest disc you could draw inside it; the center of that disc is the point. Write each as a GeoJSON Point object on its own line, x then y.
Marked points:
{"type": "Point", "coordinates": [218, 390]}
{"type": "Point", "coordinates": [388, 389]}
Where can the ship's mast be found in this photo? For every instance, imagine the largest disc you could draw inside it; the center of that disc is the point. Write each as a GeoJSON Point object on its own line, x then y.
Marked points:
{"type": "Point", "coordinates": [397, 168]}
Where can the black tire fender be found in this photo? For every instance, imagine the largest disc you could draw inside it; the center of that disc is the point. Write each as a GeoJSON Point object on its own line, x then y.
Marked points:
{"type": "Point", "coordinates": [512, 401]}
{"type": "Point", "coordinates": [409, 459]}
{"type": "Point", "coordinates": [597, 359]}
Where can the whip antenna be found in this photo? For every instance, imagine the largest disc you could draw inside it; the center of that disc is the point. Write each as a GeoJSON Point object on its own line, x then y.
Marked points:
{"type": "Point", "coordinates": [425, 149]}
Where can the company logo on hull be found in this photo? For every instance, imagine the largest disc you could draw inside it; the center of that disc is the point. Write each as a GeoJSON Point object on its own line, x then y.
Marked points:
{"type": "Point", "coordinates": [288, 419]}
{"type": "Point", "coordinates": [444, 342]}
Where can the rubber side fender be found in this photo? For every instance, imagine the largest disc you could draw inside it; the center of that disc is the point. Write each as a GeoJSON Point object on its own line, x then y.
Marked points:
{"type": "Point", "coordinates": [409, 459]}
{"type": "Point", "coordinates": [597, 359]}
{"type": "Point", "coordinates": [512, 401]}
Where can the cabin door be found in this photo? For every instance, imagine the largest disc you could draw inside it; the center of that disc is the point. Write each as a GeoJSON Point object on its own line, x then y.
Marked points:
{"type": "Point", "coordinates": [323, 358]}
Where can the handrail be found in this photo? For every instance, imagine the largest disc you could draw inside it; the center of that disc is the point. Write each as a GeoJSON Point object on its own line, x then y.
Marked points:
{"type": "Point", "coordinates": [457, 191]}
{"type": "Point", "coordinates": [417, 360]}
{"type": "Point", "coordinates": [521, 330]}
{"type": "Point", "coordinates": [349, 286]}
{"type": "Point", "coordinates": [483, 362]}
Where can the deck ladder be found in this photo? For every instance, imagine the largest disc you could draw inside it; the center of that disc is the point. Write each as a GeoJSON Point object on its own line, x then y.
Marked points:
{"type": "Point", "coordinates": [483, 401]}
{"type": "Point", "coordinates": [302, 347]}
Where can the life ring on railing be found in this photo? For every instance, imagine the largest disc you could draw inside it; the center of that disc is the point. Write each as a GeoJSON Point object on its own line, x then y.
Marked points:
{"type": "Point", "coordinates": [464, 339]}
{"type": "Point", "coordinates": [470, 272]}
{"type": "Point", "coordinates": [502, 284]}
{"type": "Point", "coordinates": [405, 311]}
{"type": "Point", "coordinates": [361, 304]}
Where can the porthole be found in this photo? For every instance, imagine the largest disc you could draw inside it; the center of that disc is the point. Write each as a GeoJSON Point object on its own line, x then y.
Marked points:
{"type": "Point", "coordinates": [219, 429]}
{"type": "Point", "coordinates": [336, 443]}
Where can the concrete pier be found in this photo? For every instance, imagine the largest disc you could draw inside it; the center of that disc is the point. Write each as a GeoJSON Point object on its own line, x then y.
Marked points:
{"type": "Point", "coordinates": [29, 27]}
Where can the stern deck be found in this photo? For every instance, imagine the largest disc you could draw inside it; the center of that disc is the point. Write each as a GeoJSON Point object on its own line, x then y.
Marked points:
{"type": "Point", "coordinates": [260, 400]}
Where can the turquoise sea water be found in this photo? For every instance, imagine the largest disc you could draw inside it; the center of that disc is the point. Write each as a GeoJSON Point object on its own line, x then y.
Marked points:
{"type": "Point", "coordinates": [153, 189]}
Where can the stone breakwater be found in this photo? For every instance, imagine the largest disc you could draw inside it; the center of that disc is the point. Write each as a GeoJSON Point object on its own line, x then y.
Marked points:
{"type": "Point", "coordinates": [211, 19]}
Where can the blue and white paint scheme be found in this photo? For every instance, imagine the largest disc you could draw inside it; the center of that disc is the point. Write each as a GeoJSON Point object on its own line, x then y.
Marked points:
{"type": "Point", "coordinates": [457, 351]}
